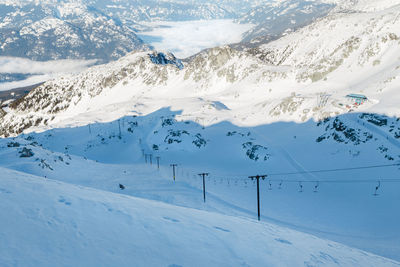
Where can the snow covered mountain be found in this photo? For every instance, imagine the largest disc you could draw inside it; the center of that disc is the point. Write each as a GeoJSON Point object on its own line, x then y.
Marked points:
{"type": "Point", "coordinates": [94, 29]}
{"type": "Point", "coordinates": [276, 18]}
{"type": "Point", "coordinates": [62, 30]}
{"type": "Point", "coordinates": [49, 30]}
{"type": "Point", "coordinates": [131, 12]}
{"type": "Point", "coordinates": [293, 105]}
{"type": "Point", "coordinates": [297, 70]}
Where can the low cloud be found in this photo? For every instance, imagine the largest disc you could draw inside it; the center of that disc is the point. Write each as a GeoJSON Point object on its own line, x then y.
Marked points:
{"type": "Point", "coordinates": [32, 80]}
{"type": "Point", "coordinates": [40, 71]}
{"type": "Point", "coordinates": [27, 66]}
{"type": "Point", "coordinates": [187, 38]}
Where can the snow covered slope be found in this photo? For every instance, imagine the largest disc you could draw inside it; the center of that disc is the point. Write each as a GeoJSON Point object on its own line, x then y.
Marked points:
{"type": "Point", "coordinates": [277, 108]}
{"type": "Point", "coordinates": [51, 223]}
{"type": "Point", "coordinates": [98, 156]}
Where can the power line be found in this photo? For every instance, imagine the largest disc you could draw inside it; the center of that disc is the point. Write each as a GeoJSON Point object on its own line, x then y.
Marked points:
{"type": "Point", "coordinates": [335, 170]}
{"type": "Point", "coordinates": [257, 177]}
{"type": "Point", "coordinates": [204, 185]}
{"type": "Point", "coordinates": [238, 177]}
{"type": "Point", "coordinates": [173, 170]}
{"type": "Point", "coordinates": [313, 171]}
{"type": "Point", "coordinates": [338, 181]}
{"type": "Point", "coordinates": [316, 182]}
{"type": "Point", "coordinates": [372, 180]}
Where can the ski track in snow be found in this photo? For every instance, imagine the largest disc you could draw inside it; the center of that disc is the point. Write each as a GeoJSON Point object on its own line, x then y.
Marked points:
{"type": "Point", "coordinates": [286, 155]}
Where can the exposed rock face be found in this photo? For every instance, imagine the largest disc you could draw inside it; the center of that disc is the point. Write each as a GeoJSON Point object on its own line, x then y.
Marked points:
{"type": "Point", "coordinates": [164, 59]}
{"type": "Point", "coordinates": [222, 61]}
{"type": "Point", "coordinates": [26, 153]}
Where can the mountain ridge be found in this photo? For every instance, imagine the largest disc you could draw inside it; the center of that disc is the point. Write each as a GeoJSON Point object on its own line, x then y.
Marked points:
{"type": "Point", "coordinates": [367, 48]}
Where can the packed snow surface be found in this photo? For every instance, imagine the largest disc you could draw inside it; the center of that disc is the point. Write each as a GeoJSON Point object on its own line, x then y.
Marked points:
{"type": "Point", "coordinates": [48, 223]}
{"type": "Point", "coordinates": [98, 156]}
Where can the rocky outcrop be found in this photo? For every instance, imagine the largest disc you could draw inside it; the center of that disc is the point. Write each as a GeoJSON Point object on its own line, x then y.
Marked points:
{"type": "Point", "coordinates": [165, 59]}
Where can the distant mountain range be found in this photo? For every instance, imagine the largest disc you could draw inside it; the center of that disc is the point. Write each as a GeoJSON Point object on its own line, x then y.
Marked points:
{"type": "Point", "coordinates": [106, 30]}
{"type": "Point", "coordinates": [89, 29]}
{"type": "Point", "coordinates": [275, 19]}
{"type": "Point", "coordinates": [320, 53]}
{"type": "Point", "coordinates": [65, 30]}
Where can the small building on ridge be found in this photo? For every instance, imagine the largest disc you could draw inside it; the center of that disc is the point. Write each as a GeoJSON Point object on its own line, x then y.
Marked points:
{"type": "Point", "coordinates": [357, 98]}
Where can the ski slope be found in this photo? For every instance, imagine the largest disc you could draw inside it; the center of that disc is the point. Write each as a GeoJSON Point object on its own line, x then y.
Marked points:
{"type": "Point", "coordinates": [50, 223]}
{"type": "Point", "coordinates": [348, 213]}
